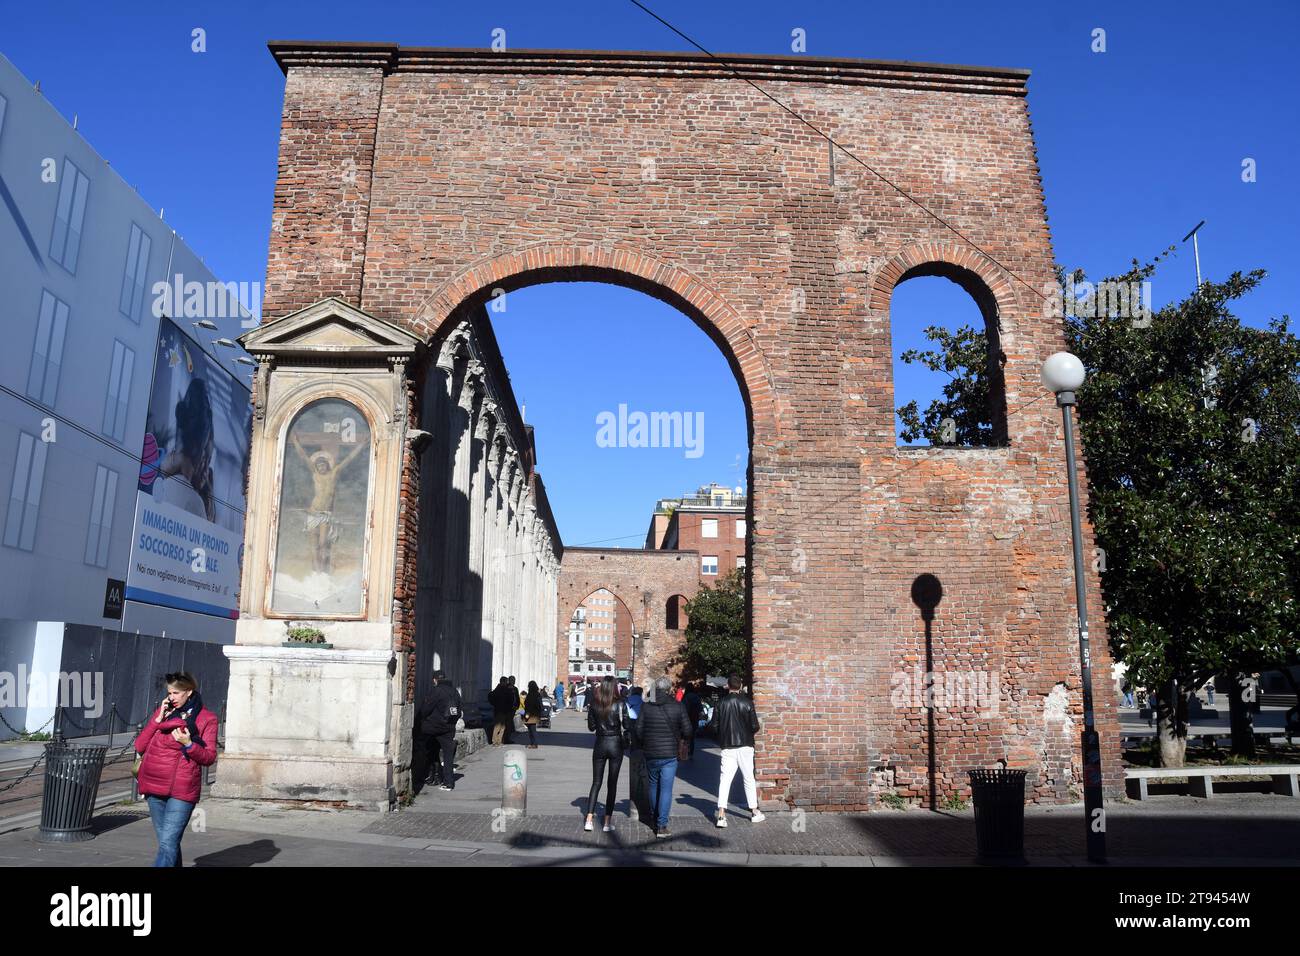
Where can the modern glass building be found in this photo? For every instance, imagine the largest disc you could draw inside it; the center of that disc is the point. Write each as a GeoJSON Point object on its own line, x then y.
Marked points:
{"type": "Point", "coordinates": [123, 412]}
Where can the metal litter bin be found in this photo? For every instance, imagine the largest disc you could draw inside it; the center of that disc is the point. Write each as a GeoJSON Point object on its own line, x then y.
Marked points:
{"type": "Point", "coordinates": [71, 786]}
{"type": "Point", "coordinates": [999, 797]}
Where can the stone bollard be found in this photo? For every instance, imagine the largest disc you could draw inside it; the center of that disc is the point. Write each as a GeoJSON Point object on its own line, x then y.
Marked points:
{"type": "Point", "coordinates": [514, 782]}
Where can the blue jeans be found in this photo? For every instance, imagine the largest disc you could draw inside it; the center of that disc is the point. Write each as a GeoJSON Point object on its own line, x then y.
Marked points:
{"type": "Point", "coordinates": [662, 772]}
{"type": "Point", "coordinates": [170, 817]}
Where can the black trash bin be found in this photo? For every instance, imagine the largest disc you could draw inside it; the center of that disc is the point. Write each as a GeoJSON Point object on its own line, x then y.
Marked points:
{"type": "Point", "coordinates": [999, 797]}
{"type": "Point", "coordinates": [71, 785]}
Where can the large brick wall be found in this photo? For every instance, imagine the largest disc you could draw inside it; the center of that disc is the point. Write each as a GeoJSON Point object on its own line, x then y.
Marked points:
{"type": "Point", "coordinates": [415, 182]}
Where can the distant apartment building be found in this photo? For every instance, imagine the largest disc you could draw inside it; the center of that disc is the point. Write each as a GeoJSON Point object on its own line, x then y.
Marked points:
{"type": "Point", "coordinates": [124, 403]}
{"type": "Point", "coordinates": [577, 644]}
{"type": "Point", "coordinates": [712, 522]}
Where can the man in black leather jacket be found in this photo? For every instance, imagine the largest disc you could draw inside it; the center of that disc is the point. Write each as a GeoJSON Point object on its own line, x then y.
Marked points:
{"type": "Point", "coordinates": [437, 720]}
{"type": "Point", "coordinates": [660, 729]}
{"type": "Point", "coordinates": [735, 722]}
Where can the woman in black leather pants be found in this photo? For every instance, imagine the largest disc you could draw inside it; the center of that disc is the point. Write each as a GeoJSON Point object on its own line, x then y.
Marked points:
{"type": "Point", "coordinates": [607, 717]}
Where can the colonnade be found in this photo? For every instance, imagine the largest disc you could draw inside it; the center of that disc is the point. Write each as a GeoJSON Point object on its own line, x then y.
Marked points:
{"type": "Point", "coordinates": [489, 551]}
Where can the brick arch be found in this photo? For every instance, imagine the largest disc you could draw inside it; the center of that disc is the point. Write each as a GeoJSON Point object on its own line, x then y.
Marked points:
{"type": "Point", "coordinates": [986, 281]}
{"type": "Point", "coordinates": [619, 649]}
{"type": "Point", "coordinates": [618, 265]}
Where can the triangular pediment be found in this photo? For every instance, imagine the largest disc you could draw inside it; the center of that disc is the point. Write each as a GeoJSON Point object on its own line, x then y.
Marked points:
{"type": "Point", "coordinates": [330, 327]}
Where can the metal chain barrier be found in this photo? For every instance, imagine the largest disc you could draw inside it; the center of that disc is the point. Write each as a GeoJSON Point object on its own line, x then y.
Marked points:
{"type": "Point", "coordinates": [30, 770]}
{"type": "Point", "coordinates": [26, 733]}
{"type": "Point", "coordinates": [70, 720]}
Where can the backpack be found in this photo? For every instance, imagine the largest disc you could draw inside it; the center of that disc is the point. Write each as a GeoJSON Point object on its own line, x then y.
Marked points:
{"type": "Point", "coordinates": [451, 709]}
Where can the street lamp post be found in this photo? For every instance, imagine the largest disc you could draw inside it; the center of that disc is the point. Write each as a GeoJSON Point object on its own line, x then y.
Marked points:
{"type": "Point", "coordinates": [1063, 374]}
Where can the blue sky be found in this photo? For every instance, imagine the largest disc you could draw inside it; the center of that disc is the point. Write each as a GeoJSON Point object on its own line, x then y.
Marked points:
{"type": "Point", "coordinates": [1136, 145]}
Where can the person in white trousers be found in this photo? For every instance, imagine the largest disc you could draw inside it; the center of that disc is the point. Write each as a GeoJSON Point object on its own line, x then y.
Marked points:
{"type": "Point", "coordinates": [735, 722]}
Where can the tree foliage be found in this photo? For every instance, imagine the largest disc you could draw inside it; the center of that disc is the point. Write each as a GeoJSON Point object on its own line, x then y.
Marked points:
{"type": "Point", "coordinates": [715, 629]}
{"type": "Point", "coordinates": [962, 355]}
{"type": "Point", "coordinates": [1189, 419]}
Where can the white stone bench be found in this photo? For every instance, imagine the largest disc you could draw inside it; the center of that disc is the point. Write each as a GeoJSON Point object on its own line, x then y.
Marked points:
{"type": "Point", "coordinates": [1286, 778]}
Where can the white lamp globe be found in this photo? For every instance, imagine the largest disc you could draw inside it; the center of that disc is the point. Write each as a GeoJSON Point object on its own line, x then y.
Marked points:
{"type": "Point", "coordinates": [1062, 372]}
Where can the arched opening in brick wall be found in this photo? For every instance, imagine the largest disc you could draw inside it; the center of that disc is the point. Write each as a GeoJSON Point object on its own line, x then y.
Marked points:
{"type": "Point", "coordinates": [948, 361]}
{"type": "Point", "coordinates": [602, 625]}
{"type": "Point", "coordinates": [492, 296]}
{"type": "Point", "coordinates": [675, 618]}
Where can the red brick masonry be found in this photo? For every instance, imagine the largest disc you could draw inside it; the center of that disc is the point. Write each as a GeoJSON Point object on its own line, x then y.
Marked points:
{"type": "Point", "coordinates": [413, 182]}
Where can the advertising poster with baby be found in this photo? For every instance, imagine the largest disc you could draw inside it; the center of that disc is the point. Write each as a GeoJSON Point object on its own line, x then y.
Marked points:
{"type": "Point", "coordinates": [189, 514]}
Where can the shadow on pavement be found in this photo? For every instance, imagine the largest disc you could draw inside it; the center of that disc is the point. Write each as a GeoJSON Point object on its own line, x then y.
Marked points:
{"type": "Point", "coordinates": [107, 822]}
{"type": "Point", "coordinates": [248, 854]}
{"type": "Point", "coordinates": [1130, 834]}
{"type": "Point", "coordinates": [619, 851]}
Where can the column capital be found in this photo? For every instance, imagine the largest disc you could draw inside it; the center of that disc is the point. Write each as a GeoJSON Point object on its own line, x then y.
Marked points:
{"type": "Point", "coordinates": [453, 349]}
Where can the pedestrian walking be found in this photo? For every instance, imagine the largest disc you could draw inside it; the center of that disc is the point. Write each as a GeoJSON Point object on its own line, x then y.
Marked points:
{"type": "Point", "coordinates": [662, 729]}
{"type": "Point", "coordinates": [559, 695]}
{"type": "Point", "coordinates": [580, 697]}
{"type": "Point", "coordinates": [173, 748]}
{"type": "Point", "coordinates": [437, 720]}
{"type": "Point", "coordinates": [502, 700]}
{"type": "Point", "coordinates": [694, 705]}
{"type": "Point", "coordinates": [608, 719]}
{"type": "Point", "coordinates": [634, 701]}
{"type": "Point", "coordinates": [532, 713]}
{"type": "Point", "coordinates": [735, 722]}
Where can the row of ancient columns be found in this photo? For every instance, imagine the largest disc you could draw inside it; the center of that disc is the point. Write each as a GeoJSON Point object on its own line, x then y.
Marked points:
{"type": "Point", "coordinates": [488, 565]}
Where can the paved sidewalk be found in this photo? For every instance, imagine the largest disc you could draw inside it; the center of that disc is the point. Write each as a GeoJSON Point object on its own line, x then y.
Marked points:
{"type": "Point", "coordinates": [459, 828]}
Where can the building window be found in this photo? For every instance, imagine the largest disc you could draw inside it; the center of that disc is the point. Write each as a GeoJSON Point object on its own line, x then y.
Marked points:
{"type": "Point", "coordinates": [47, 352]}
{"type": "Point", "coordinates": [708, 527]}
{"type": "Point", "coordinates": [135, 274]}
{"type": "Point", "coordinates": [324, 503]}
{"type": "Point", "coordinates": [25, 492]}
{"type": "Point", "coordinates": [65, 243]}
{"type": "Point", "coordinates": [740, 528]}
{"type": "Point", "coordinates": [709, 564]}
{"type": "Point", "coordinates": [740, 562]}
{"type": "Point", "coordinates": [119, 391]}
{"type": "Point", "coordinates": [102, 503]}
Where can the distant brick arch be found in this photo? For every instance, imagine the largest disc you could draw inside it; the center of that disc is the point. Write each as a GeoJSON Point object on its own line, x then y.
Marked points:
{"type": "Point", "coordinates": [643, 580]}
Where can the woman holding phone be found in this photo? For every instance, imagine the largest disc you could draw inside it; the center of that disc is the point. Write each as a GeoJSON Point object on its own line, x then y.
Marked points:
{"type": "Point", "coordinates": [175, 745]}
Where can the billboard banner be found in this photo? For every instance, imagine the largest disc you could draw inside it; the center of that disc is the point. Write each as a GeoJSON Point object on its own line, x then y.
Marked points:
{"type": "Point", "coordinates": [187, 548]}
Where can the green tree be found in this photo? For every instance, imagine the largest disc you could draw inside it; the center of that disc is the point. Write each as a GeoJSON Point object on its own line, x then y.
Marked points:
{"type": "Point", "coordinates": [1189, 422]}
{"type": "Point", "coordinates": [715, 629]}
{"type": "Point", "coordinates": [963, 355]}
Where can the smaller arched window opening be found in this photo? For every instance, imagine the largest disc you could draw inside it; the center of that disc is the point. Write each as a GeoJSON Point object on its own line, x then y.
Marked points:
{"type": "Point", "coordinates": [675, 613]}
{"type": "Point", "coordinates": [949, 388]}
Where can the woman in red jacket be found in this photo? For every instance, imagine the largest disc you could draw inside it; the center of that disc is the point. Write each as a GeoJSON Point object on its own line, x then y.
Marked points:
{"type": "Point", "coordinates": [176, 744]}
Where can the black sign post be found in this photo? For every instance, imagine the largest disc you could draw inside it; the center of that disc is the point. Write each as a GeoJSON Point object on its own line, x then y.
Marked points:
{"type": "Point", "coordinates": [114, 599]}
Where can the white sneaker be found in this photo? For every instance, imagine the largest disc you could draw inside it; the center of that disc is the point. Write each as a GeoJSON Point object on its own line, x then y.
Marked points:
{"type": "Point", "coordinates": [587, 826]}
{"type": "Point", "coordinates": [756, 816]}
{"type": "Point", "coordinates": [722, 821]}
{"type": "Point", "coordinates": [608, 828]}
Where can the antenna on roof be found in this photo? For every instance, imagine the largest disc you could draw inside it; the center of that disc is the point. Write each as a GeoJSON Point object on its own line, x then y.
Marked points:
{"type": "Point", "coordinates": [74, 120]}
{"type": "Point", "coordinates": [37, 87]}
